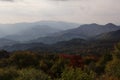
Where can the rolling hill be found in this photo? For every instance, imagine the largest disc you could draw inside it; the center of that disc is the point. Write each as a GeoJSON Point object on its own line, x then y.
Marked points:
{"type": "Point", "coordinates": [32, 33]}
{"type": "Point", "coordinates": [6, 42]}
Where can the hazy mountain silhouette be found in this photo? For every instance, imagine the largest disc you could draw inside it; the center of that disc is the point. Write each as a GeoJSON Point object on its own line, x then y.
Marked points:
{"type": "Point", "coordinates": [33, 33]}
{"type": "Point", "coordinates": [86, 31]}
{"type": "Point", "coordinates": [28, 31]}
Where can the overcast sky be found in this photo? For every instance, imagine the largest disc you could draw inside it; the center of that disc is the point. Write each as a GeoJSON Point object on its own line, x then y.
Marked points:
{"type": "Point", "coordinates": [80, 11]}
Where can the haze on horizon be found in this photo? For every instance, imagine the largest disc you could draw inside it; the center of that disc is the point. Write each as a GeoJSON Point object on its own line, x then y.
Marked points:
{"type": "Point", "coordinates": [79, 11]}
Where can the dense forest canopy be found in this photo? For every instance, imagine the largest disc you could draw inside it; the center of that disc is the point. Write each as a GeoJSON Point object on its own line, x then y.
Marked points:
{"type": "Point", "coordinates": [26, 65]}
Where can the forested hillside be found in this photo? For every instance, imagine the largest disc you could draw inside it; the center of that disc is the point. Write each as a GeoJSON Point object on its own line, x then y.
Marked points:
{"type": "Point", "coordinates": [27, 65]}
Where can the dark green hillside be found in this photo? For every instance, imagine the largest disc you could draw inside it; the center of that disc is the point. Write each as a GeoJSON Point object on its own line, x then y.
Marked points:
{"type": "Point", "coordinates": [114, 35]}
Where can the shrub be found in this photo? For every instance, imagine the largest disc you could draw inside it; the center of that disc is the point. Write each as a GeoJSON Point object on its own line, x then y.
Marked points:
{"type": "Point", "coordinates": [113, 68]}
{"type": "Point", "coordinates": [76, 74]}
{"type": "Point", "coordinates": [32, 74]}
{"type": "Point", "coordinates": [8, 73]}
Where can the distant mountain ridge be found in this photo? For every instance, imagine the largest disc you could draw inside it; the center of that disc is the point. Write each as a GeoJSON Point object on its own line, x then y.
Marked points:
{"type": "Point", "coordinates": [33, 33]}
{"type": "Point", "coordinates": [60, 24]}
{"type": "Point", "coordinates": [87, 31]}
{"type": "Point", "coordinates": [33, 30]}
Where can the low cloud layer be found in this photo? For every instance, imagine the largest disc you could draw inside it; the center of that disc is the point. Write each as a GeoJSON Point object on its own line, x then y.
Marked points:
{"type": "Point", "coordinates": [81, 11]}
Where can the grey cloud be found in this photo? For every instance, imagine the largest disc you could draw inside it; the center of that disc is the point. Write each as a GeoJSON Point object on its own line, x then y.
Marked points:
{"type": "Point", "coordinates": [65, 0]}
{"type": "Point", "coordinates": [7, 0]}
{"type": "Point", "coordinates": [83, 11]}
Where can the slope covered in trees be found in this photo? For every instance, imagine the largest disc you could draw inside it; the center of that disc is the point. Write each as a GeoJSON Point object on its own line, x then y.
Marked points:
{"type": "Point", "coordinates": [26, 65]}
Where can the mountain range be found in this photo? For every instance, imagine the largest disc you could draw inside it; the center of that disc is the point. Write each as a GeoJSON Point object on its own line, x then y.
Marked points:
{"type": "Point", "coordinates": [87, 31]}
{"type": "Point", "coordinates": [32, 33]}
{"type": "Point", "coordinates": [62, 38]}
{"type": "Point", "coordinates": [33, 30]}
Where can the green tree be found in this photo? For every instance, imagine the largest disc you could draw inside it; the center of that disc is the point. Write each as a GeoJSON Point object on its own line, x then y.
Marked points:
{"type": "Point", "coordinates": [113, 67]}
{"type": "Point", "coordinates": [4, 54]}
{"type": "Point", "coordinates": [101, 64]}
{"type": "Point", "coordinates": [23, 59]}
{"type": "Point", "coordinates": [58, 67]}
